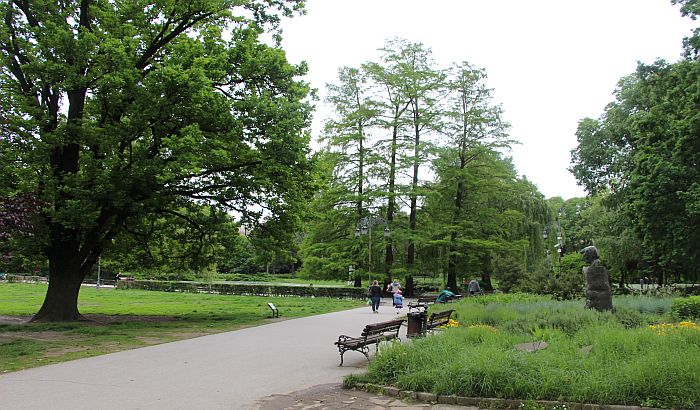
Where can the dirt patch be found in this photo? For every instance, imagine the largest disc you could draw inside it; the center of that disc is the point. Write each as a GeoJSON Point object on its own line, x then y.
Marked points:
{"type": "Point", "coordinates": [63, 351]}
{"type": "Point", "coordinates": [94, 319]}
{"type": "Point", "coordinates": [151, 340]}
{"type": "Point", "coordinates": [333, 397]}
{"type": "Point", "coordinates": [187, 335]}
{"type": "Point", "coordinates": [45, 336]}
{"type": "Point", "coordinates": [14, 320]}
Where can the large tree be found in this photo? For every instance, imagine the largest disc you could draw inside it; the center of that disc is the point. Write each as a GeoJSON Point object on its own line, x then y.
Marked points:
{"type": "Point", "coordinates": [645, 150]}
{"type": "Point", "coordinates": [472, 127]}
{"type": "Point", "coordinates": [121, 110]}
{"type": "Point", "coordinates": [392, 103]}
{"type": "Point", "coordinates": [421, 82]}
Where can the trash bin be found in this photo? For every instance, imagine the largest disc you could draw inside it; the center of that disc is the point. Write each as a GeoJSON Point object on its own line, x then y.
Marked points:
{"type": "Point", "coordinates": [417, 322]}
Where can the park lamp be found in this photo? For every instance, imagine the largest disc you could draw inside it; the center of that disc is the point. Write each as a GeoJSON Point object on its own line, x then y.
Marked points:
{"type": "Point", "coordinates": [364, 229]}
{"type": "Point", "coordinates": [357, 232]}
{"type": "Point", "coordinates": [387, 232]}
{"type": "Point", "coordinates": [545, 234]}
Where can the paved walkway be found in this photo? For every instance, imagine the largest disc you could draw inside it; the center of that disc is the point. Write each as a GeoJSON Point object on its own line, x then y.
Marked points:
{"type": "Point", "coordinates": [243, 369]}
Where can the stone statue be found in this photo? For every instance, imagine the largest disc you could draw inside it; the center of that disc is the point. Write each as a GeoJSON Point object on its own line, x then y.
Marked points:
{"type": "Point", "coordinates": [598, 293]}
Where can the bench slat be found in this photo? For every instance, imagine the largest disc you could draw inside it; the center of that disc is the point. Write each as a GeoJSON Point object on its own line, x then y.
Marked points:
{"type": "Point", "coordinates": [372, 334]}
{"type": "Point", "coordinates": [438, 319]}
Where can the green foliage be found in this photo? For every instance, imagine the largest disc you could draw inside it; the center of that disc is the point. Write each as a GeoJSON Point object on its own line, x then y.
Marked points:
{"type": "Point", "coordinates": [395, 117]}
{"type": "Point", "coordinates": [686, 308]}
{"type": "Point", "coordinates": [522, 312]}
{"type": "Point", "coordinates": [564, 281]}
{"type": "Point", "coordinates": [643, 150]}
{"type": "Point", "coordinates": [509, 272]}
{"type": "Point", "coordinates": [120, 119]}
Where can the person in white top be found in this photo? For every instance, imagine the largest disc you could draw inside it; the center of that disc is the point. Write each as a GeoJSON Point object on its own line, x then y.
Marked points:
{"type": "Point", "coordinates": [393, 287]}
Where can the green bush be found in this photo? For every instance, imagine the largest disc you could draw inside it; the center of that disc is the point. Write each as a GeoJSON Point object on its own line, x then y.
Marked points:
{"type": "Point", "coordinates": [562, 283]}
{"type": "Point", "coordinates": [686, 308]}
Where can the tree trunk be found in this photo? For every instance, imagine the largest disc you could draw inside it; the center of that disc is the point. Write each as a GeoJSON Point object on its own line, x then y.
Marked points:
{"type": "Point", "coordinates": [391, 205]}
{"type": "Point", "coordinates": [67, 269]}
{"type": "Point", "coordinates": [61, 301]}
{"type": "Point", "coordinates": [452, 267]}
{"type": "Point", "coordinates": [486, 278]}
{"type": "Point", "coordinates": [486, 273]}
{"type": "Point", "coordinates": [411, 255]}
{"type": "Point", "coordinates": [409, 291]}
{"type": "Point", "coordinates": [451, 256]}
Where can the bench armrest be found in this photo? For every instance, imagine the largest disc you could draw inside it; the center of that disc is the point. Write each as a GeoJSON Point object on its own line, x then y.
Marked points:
{"type": "Point", "coordinates": [343, 339]}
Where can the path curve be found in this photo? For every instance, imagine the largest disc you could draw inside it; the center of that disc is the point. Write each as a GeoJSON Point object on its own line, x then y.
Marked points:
{"type": "Point", "coordinates": [223, 371]}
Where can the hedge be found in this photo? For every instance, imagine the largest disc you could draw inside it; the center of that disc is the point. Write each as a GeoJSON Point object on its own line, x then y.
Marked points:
{"type": "Point", "coordinates": [245, 289]}
{"type": "Point", "coordinates": [686, 308]}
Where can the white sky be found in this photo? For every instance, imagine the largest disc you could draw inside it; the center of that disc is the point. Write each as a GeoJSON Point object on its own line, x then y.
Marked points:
{"type": "Point", "coordinates": [551, 62]}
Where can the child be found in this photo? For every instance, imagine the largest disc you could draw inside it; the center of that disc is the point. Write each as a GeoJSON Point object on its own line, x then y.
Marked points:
{"type": "Point", "coordinates": [398, 301]}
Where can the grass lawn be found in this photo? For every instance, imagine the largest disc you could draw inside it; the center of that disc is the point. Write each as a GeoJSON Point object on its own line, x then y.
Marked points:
{"type": "Point", "coordinates": [127, 319]}
{"type": "Point", "coordinates": [637, 355]}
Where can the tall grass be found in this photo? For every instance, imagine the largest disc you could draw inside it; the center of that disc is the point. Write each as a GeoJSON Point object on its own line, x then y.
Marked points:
{"type": "Point", "coordinates": [592, 357]}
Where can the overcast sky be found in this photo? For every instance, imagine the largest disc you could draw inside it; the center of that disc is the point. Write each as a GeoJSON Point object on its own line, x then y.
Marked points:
{"type": "Point", "coordinates": [550, 62]}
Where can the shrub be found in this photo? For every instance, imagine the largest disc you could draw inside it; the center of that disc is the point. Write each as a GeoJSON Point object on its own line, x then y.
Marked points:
{"type": "Point", "coordinates": [686, 308]}
{"type": "Point", "coordinates": [562, 283]}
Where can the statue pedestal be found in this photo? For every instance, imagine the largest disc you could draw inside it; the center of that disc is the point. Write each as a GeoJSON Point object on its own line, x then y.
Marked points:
{"type": "Point", "coordinates": [598, 292]}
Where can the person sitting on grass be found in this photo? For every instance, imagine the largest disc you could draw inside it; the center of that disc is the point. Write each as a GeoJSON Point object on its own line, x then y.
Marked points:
{"type": "Point", "coordinates": [444, 296]}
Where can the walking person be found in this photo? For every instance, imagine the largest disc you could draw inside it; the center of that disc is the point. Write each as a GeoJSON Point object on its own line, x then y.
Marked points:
{"type": "Point", "coordinates": [398, 301]}
{"type": "Point", "coordinates": [393, 287]}
{"type": "Point", "coordinates": [375, 295]}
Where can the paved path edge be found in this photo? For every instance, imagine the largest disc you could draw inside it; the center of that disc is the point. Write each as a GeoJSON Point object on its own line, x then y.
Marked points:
{"type": "Point", "coordinates": [482, 402]}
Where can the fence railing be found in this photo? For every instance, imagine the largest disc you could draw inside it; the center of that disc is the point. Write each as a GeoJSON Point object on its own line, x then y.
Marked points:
{"type": "Point", "coordinates": [246, 289]}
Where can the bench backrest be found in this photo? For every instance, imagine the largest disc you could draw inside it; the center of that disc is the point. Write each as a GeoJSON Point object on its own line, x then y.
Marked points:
{"type": "Point", "coordinates": [440, 318]}
{"type": "Point", "coordinates": [376, 329]}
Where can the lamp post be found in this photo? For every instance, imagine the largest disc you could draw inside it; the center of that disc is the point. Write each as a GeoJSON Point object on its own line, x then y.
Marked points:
{"type": "Point", "coordinates": [364, 227]}
{"type": "Point", "coordinates": [559, 246]}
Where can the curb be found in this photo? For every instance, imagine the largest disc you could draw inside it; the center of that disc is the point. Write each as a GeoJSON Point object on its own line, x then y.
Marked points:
{"type": "Point", "coordinates": [484, 402]}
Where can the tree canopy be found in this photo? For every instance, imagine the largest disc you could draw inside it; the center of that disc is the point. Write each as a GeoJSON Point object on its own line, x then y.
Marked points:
{"type": "Point", "coordinates": [644, 150]}
{"type": "Point", "coordinates": [119, 113]}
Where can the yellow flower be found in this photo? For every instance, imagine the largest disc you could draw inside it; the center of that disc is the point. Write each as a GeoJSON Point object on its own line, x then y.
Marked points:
{"type": "Point", "coordinates": [666, 328]}
{"type": "Point", "coordinates": [487, 327]}
{"type": "Point", "coordinates": [451, 323]}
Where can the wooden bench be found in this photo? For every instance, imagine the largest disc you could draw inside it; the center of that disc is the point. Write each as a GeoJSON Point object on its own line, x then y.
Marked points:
{"type": "Point", "coordinates": [372, 334]}
{"type": "Point", "coordinates": [438, 319]}
{"type": "Point", "coordinates": [428, 297]}
{"type": "Point", "coordinates": [273, 308]}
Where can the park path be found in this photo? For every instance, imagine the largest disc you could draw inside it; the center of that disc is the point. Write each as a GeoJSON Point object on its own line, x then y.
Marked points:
{"type": "Point", "coordinates": [223, 371]}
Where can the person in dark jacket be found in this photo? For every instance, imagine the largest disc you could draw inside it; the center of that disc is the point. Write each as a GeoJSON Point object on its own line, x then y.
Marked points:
{"type": "Point", "coordinates": [375, 295]}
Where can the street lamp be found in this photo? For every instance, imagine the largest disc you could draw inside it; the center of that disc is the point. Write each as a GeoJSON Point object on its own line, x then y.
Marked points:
{"type": "Point", "coordinates": [559, 246]}
{"type": "Point", "coordinates": [364, 227]}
